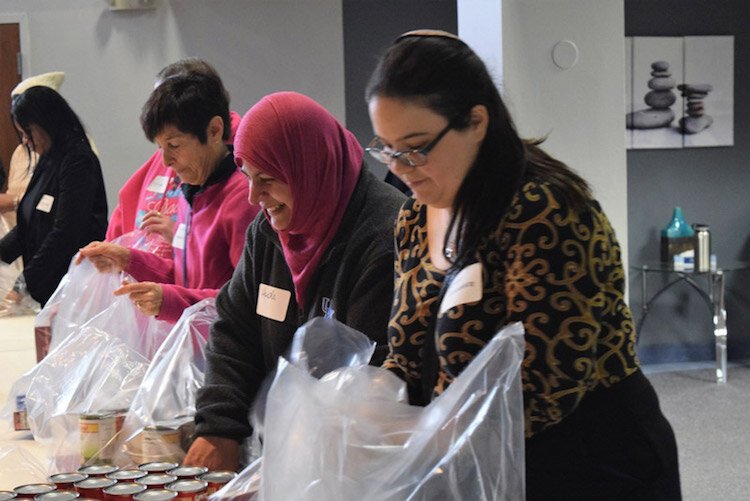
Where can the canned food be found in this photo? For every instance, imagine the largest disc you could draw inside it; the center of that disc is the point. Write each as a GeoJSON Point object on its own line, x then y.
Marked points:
{"type": "Point", "coordinates": [93, 487]}
{"type": "Point", "coordinates": [98, 470]}
{"type": "Point", "coordinates": [190, 490]}
{"type": "Point", "coordinates": [156, 480]}
{"type": "Point", "coordinates": [123, 492]}
{"type": "Point", "coordinates": [127, 475]}
{"type": "Point", "coordinates": [64, 495]}
{"type": "Point", "coordinates": [157, 443]}
{"type": "Point", "coordinates": [155, 495]}
{"type": "Point", "coordinates": [32, 490]}
{"type": "Point", "coordinates": [217, 479]}
{"type": "Point", "coordinates": [158, 466]}
{"type": "Point", "coordinates": [6, 495]}
{"type": "Point", "coordinates": [120, 415]}
{"type": "Point", "coordinates": [97, 431]}
{"type": "Point", "coordinates": [20, 418]}
{"type": "Point", "coordinates": [187, 472]}
{"type": "Point", "coordinates": [65, 481]}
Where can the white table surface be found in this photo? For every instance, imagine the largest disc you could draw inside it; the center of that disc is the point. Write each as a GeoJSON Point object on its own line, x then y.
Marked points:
{"type": "Point", "coordinates": [22, 460]}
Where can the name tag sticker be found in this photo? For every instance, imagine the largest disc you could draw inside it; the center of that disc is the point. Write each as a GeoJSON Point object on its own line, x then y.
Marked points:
{"type": "Point", "coordinates": [273, 302]}
{"type": "Point", "coordinates": [465, 288]}
{"type": "Point", "coordinates": [178, 240]}
{"type": "Point", "coordinates": [45, 203]}
{"type": "Point", "coordinates": [159, 184]}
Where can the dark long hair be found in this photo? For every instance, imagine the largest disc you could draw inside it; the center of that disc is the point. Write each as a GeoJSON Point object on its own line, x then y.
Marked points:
{"type": "Point", "coordinates": [46, 108]}
{"type": "Point", "coordinates": [441, 72]}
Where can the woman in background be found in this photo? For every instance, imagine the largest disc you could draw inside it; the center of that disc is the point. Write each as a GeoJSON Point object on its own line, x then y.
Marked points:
{"type": "Point", "coordinates": [65, 205]}
{"type": "Point", "coordinates": [519, 234]}
{"type": "Point", "coordinates": [149, 199]}
{"type": "Point", "coordinates": [188, 117]}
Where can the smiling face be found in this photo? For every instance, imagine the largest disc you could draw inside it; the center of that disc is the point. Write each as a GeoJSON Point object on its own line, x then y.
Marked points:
{"type": "Point", "coordinates": [192, 160]}
{"type": "Point", "coordinates": [37, 139]}
{"type": "Point", "coordinates": [273, 196]}
{"type": "Point", "coordinates": [405, 125]}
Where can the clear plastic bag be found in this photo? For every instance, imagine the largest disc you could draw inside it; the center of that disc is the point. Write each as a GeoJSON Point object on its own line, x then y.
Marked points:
{"type": "Point", "coordinates": [81, 294]}
{"type": "Point", "coordinates": [350, 435]}
{"type": "Point", "coordinates": [150, 242]}
{"type": "Point", "coordinates": [86, 381]}
{"type": "Point", "coordinates": [20, 466]}
{"type": "Point", "coordinates": [159, 424]}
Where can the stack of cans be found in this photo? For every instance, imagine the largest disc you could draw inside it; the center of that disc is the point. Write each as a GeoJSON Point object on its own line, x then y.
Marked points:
{"type": "Point", "coordinates": [155, 481]}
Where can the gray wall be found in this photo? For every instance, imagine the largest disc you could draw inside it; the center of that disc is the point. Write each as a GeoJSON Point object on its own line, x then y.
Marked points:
{"type": "Point", "coordinates": [369, 28]}
{"type": "Point", "coordinates": [710, 184]}
{"type": "Point", "coordinates": [110, 58]}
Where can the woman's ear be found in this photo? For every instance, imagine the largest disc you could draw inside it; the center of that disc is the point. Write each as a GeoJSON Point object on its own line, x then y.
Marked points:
{"type": "Point", "coordinates": [479, 120]}
{"type": "Point", "coordinates": [215, 130]}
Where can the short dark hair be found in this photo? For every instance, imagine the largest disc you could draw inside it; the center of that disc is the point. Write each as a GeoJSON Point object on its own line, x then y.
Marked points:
{"type": "Point", "coordinates": [188, 102]}
{"type": "Point", "coordinates": [46, 108]}
{"type": "Point", "coordinates": [191, 66]}
{"type": "Point", "coordinates": [445, 75]}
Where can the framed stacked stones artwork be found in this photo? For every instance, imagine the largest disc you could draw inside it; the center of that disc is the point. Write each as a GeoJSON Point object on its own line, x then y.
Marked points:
{"type": "Point", "coordinates": [679, 92]}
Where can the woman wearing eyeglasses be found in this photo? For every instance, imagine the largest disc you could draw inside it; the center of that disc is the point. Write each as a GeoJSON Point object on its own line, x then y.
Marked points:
{"type": "Point", "coordinates": [322, 246]}
{"type": "Point", "coordinates": [531, 245]}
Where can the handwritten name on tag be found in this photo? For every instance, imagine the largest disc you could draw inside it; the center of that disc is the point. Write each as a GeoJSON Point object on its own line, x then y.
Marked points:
{"type": "Point", "coordinates": [273, 302]}
{"type": "Point", "coordinates": [45, 203]}
{"type": "Point", "coordinates": [465, 288]}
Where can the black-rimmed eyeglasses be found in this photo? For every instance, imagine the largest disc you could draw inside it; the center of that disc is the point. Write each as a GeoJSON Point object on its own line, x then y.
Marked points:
{"type": "Point", "coordinates": [410, 158]}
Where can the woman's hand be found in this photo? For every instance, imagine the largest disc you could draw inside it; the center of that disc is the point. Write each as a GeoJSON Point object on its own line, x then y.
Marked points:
{"type": "Point", "coordinates": [215, 453]}
{"type": "Point", "coordinates": [105, 256]}
{"type": "Point", "coordinates": [156, 222]}
{"type": "Point", "coordinates": [147, 296]}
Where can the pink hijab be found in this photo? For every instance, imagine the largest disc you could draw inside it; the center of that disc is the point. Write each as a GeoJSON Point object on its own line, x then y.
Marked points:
{"type": "Point", "coordinates": [295, 140]}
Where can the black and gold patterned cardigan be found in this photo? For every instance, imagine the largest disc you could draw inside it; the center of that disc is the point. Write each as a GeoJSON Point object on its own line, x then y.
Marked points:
{"type": "Point", "coordinates": [557, 271]}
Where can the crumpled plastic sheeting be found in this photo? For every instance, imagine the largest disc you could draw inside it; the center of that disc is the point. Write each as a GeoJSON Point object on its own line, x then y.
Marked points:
{"type": "Point", "coordinates": [169, 387]}
{"type": "Point", "coordinates": [82, 294]}
{"type": "Point", "coordinates": [349, 435]}
{"type": "Point", "coordinates": [97, 369]}
{"type": "Point", "coordinates": [21, 466]}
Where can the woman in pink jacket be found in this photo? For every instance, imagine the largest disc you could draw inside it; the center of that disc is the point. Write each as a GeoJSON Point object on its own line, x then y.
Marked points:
{"type": "Point", "coordinates": [187, 116]}
{"type": "Point", "coordinates": [148, 200]}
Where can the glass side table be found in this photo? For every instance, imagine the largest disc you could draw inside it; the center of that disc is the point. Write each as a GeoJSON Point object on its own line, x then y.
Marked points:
{"type": "Point", "coordinates": [709, 285]}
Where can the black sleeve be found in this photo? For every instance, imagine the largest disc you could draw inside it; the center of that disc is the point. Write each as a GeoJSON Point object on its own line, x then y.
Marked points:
{"type": "Point", "coordinates": [234, 356]}
{"type": "Point", "coordinates": [10, 246]}
{"type": "Point", "coordinates": [74, 202]}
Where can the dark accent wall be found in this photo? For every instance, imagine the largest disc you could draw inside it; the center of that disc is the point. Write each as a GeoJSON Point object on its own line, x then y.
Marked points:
{"type": "Point", "coordinates": [369, 28]}
{"type": "Point", "coordinates": [711, 185]}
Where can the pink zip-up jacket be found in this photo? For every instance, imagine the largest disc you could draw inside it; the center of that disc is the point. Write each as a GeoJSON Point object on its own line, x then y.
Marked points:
{"type": "Point", "coordinates": [136, 199]}
{"type": "Point", "coordinates": [215, 229]}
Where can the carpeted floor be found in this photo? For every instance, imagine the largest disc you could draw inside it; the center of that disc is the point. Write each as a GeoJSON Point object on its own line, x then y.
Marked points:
{"type": "Point", "coordinates": [712, 425]}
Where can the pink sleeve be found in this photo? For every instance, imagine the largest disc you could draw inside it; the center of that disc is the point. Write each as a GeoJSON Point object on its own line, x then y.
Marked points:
{"type": "Point", "coordinates": [148, 267]}
{"type": "Point", "coordinates": [175, 299]}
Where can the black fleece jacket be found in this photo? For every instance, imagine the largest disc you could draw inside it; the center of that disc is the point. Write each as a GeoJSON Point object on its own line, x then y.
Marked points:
{"type": "Point", "coordinates": [354, 278]}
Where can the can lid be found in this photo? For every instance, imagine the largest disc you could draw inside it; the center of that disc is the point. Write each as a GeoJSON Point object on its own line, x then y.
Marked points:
{"type": "Point", "coordinates": [95, 483]}
{"type": "Point", "coordinates": [188, 485]}
{"type": "Point", "coordinates": [64, 495]}
{"type": "Point", "coordinates": [157, 479]}
{"type": "Point", "coordinates": [34, 488]}
{"type": "Point", "coordinates": [188, 471]}
{"type": "Point", "coordinates": [157, 466]}
{"type": "Point", "coordinates": [67, 478]}
{"type": "Point", "coordinates": [155, 495]}
{"type": "Point", "coordinates": [98, 469]}
{"type": "Point", "coordinates": [6, 495]}
{"type": "Point", "coordinates": [218, 476]}
{"type": "Point", "coordinates": [96, 415]}
{"type": "Point", "coordinates": [125, 489]}
{"type": "Point", "coordinates": [127, 474]}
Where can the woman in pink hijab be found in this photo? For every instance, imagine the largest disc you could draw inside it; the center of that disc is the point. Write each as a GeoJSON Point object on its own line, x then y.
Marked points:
{"type": "Point", "coordinates": [322, 246]}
